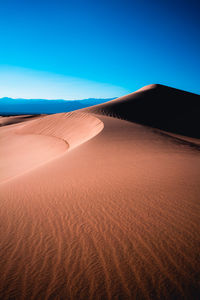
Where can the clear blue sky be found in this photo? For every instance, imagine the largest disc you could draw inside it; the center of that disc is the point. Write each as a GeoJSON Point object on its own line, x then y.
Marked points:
{"type": "Point", "coordinates": [117, 45]}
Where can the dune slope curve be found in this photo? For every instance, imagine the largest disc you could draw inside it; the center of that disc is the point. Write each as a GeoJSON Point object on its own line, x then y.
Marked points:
{"type": "Point", "coordinates": [33, 143]}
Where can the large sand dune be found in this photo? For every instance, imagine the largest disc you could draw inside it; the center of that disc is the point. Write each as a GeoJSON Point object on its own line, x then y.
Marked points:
{"type": "Point", "coordinates": [158, 106]}
{"type": "Point", "coordinates": [116, 216]}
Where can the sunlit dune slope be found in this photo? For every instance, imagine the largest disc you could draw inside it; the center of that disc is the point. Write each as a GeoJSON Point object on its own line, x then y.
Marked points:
{"type": "Point", "coordinates": [74, 128]}
{"type": "Point", "coordinates": [35, 142]}
{"type": "Point", "coordinates": [158, 106]}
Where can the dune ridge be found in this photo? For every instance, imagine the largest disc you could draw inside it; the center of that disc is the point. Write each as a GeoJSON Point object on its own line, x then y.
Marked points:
{"type": "Point", "coordinates": [115, 218]}
{"type": "Point", "coordinates": [75, 127]}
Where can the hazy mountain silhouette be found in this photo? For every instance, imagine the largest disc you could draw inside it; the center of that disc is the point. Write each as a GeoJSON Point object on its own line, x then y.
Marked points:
{"type": "Point", "coordinates": [20, 106]}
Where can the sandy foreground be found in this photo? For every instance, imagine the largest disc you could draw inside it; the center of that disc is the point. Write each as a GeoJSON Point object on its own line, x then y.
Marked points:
{"type": "Point", "coordinates": [96, 207]}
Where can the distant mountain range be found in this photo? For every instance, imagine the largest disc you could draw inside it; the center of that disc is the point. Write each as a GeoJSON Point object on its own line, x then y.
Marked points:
{"type": "Point", "coordinates": [10, 106]}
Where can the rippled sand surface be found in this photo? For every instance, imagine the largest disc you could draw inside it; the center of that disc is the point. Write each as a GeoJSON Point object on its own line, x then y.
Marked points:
{"type": "Point", "coordinates": [115, 217]}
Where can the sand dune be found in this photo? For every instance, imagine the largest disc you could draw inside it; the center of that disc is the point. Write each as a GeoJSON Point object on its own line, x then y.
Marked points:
{"type": "Point", "coordinates": [9, 120]}
{"type": "Point", "coordinates": [115, 218]}
{"type": "Point", "coordinates": [33, 143]}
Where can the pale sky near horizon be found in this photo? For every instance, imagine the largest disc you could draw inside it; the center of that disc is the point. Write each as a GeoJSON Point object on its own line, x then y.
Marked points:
{"type": "Point", "coordinates": [80, 49]}
{"type": "Point", "coordinates": [31, 84]}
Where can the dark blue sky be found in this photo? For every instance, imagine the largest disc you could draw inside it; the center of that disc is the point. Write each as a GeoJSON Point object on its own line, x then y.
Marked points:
{"type": "Point", "coordinates": [125, 44]}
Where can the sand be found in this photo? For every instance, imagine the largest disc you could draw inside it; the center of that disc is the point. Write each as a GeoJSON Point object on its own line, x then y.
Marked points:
{"type": "Point", "coordinates": [103, 208]}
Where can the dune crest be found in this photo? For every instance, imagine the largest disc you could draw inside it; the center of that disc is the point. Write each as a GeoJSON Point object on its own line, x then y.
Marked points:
{"type": "Point", "coordinates": [148, 87]}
